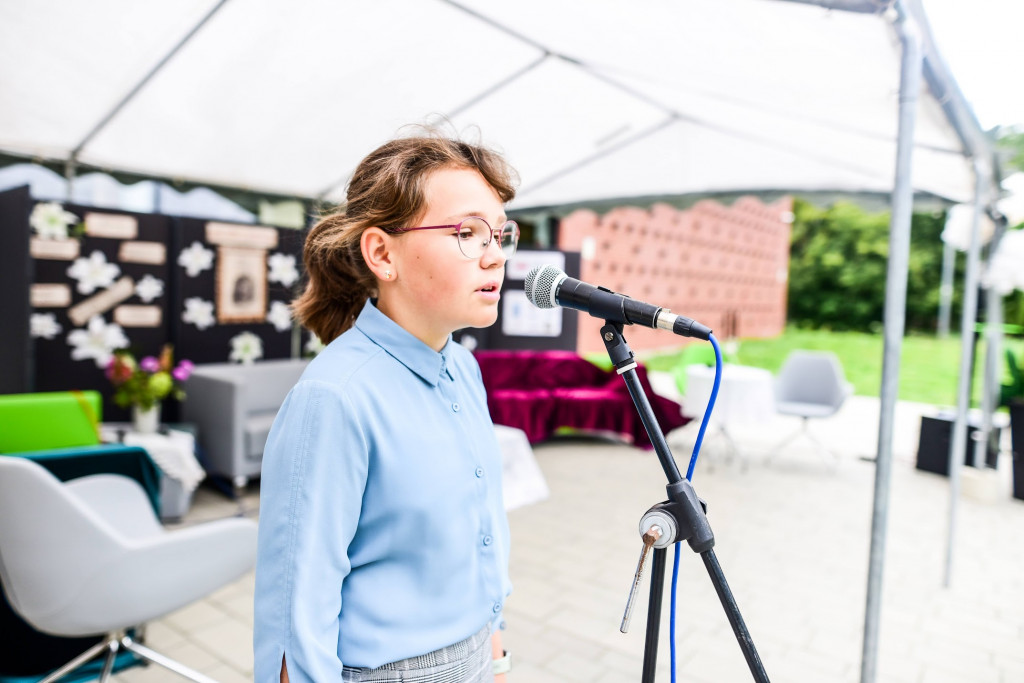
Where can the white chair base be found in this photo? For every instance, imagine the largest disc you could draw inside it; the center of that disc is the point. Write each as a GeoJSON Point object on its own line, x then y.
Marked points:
{"type": "Point", "coordinates": [114, 643]}
{"type": "Point", "coordinates": [830, 457]}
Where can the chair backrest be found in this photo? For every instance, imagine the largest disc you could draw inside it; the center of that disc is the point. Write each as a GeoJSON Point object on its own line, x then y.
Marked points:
{"type": "Point", "coordinates": [811, 377]}
{"type": "Point", "coordinates": [50, 542]}
{"type": "Point", "coordinates": [60, 419]}
{"type": "Point", "coordinates": [265, 383]}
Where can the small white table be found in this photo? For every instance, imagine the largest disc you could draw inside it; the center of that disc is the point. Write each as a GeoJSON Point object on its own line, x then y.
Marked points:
{"type": "Point", "coordinates": [745, 396]}
{"type": "Point", "coordinates": [174, 454]}
{"type": "Point", "coordinates": [522, 481]}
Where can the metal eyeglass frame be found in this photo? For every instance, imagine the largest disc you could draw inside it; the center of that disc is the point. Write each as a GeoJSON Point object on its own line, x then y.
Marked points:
{"type": "Point", "coordinates": [499, 231]}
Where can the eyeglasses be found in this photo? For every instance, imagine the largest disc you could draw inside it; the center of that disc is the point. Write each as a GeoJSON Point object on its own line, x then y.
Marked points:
{"type": "Point", "coordinates": [474, 235]}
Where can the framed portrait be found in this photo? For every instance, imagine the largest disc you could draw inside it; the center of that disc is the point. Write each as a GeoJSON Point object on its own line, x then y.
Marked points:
{"type": "Point", "coordinates": [241, 285]}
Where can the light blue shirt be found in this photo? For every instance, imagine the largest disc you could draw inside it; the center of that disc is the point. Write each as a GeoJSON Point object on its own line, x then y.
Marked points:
{"type": "Point", "coordinates": [382, 530]}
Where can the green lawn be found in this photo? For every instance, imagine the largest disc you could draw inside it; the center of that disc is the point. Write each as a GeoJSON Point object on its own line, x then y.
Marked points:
{"type": "Point", "coordinates": [929, 367]}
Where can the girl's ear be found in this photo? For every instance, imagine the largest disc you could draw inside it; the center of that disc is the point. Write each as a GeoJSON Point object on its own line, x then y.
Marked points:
{"type": "Point", "coordinates": [375, 245]}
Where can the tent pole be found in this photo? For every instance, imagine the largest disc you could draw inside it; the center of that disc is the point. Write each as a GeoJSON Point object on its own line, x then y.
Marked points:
{"type": "Point", "coordinates": [946, 288]}
{"type": "Point", "coordinates": [970, 313]}
{"type": "Point", "coordinates": [895, 315]}
{"type": "Point", "coordinates": [993, 346]}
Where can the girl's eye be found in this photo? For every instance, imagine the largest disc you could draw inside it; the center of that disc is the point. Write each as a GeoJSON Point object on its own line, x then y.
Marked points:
{"type": "Point", "coordinates": [465, 235]}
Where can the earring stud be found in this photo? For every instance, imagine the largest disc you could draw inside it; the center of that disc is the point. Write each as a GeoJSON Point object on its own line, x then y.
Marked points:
{"type": "Point", "coordinates": [387, 274]}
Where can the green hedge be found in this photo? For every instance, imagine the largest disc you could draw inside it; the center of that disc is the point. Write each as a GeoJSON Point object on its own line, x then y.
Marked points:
{"type": "Point", "coordinates": [838, 263]}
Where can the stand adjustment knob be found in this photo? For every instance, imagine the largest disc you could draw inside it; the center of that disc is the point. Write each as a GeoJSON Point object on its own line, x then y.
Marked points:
{"type": "Point", "coordinates": [664, 521]}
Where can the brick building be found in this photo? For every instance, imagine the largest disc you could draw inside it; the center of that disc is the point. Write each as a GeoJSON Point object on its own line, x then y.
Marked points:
{"type": "Point", "coordinates": [725, 266]}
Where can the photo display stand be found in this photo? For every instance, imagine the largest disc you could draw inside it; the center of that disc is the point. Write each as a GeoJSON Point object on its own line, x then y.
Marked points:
{"type": "Point", "coordinates": [681, 518]}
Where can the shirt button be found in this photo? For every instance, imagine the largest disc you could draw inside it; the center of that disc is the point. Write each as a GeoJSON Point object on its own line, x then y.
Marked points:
{"type": "Point", "coordinates": [497, 607]}
{"type": "Point", "coordinates": [455, 407]}
{"type": "Point", "coordinates": [479, 472]}
{"type": "Point", "coordinates": [488, 540]}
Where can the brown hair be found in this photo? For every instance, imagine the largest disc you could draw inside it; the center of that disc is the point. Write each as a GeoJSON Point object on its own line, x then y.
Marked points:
{"type": "Point", "coordinates": [386, 191]}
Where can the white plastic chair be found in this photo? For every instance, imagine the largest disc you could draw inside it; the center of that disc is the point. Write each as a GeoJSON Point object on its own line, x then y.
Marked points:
{"type": "Point", "coordinates": [89, 557]}
{"type": "Point", "coordinates": [811, 384]}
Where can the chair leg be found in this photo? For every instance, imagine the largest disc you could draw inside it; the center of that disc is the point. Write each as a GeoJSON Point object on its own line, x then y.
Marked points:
{"type": "Point", "coordinates": [169, 664]}
{"type": "Point", "coordinates": [108, 663]}
{"type": "Point", "coordinates": [792, 437]}
{"type": "Point", "coordinates": [827, 454]}
{"type": "Point", "coordinates": [78, 661]}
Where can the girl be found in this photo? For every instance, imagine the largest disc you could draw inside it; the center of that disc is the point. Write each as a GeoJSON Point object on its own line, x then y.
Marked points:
{"type": "Point", "coordinates": [383, 543]}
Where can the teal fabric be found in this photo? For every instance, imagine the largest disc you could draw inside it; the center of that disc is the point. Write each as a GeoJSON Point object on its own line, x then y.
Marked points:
{"type": "Point", "coordinates": [131, 461]}
{"type": "Point", "coordinates": [87, 672]}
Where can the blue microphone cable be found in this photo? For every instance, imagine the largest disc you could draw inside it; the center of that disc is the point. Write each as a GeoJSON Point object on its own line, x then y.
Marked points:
{"type": "Point", "coordinates": [689, 477]}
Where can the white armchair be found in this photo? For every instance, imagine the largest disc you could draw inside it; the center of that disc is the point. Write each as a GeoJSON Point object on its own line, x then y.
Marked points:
{"type": "Point", "coordinates": [234, 407]}
{"type": "Point", "coordinates": [811, 384]}
{"type": "Point", "coordinates": [89, 557]}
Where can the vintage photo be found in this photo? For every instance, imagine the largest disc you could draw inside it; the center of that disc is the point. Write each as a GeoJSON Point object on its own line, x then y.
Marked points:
{"type": "Point", "coordinates": [241, 285]}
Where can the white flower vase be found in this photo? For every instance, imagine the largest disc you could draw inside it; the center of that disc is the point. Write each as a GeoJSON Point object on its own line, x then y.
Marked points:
{"type": "Point", "coordinates": [146, 420]}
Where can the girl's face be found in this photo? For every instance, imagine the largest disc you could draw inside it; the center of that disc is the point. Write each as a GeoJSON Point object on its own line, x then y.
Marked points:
{"type": "Point", "coordinates": [437, 290]}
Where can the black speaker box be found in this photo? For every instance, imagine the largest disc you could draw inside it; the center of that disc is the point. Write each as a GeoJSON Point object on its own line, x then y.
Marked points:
{"type": "Point", "coordinates": [934, 444]}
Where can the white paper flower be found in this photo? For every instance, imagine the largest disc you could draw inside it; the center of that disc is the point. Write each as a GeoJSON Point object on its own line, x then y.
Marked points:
{"type": "Point", "coordinates": [195, 259]}
{"type": "Point", "coordinates": [282, 269]}
{"type": "Point", "coordinates": [98, 341]}
{"type": "Point", "coordinates": [280, 316]}
{"type": "Point", "coordinates": [199, 312]}
{"type": "Point", "coordinates": [149, 288]}
{"type": "Point", "coordinates": [1005, 271]}
{"type": "Point", "coordinates": [51, 221]}
{"type": "Point", "coordinates": [44, 325]}
{"type": "Point", "coordinates": [314, 345]}
{"type": "Point", "coordinates": [245, 348]}
{"type": "Point", "coordinates": [93, 272]}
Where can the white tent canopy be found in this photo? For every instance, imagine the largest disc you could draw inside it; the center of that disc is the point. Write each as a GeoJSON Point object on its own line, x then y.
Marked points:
{"type": "Point", "coordinates": [590, 101]}
{"type": "Point", "coordinates": [596, 101]}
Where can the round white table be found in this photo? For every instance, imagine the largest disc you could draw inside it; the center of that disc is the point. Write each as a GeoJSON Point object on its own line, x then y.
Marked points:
{"type": "Point", "coordinates": [745, 396]}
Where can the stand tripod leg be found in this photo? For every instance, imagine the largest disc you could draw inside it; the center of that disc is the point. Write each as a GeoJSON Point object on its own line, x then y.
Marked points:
{"type": "Point", "coordinates": [654, 615]}
{"type": "Point", "coordinates": [732, 611]}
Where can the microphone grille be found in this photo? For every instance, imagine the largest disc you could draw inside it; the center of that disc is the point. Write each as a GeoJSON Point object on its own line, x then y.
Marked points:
{"type": "Point", "coordinates": [540, 285]}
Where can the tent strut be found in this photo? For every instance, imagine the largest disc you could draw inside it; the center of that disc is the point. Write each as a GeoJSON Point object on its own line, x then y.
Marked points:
{"type": "Point", "coordinates": [142, 83]}
{"type": "Point", "coordinates": [895, 314]}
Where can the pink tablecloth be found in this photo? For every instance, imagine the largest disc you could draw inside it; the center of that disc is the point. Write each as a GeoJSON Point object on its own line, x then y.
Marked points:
{"type": "Point", "coordinates": [540, 392]}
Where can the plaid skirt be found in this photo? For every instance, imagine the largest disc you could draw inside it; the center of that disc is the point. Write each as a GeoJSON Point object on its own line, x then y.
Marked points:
{"type": "Point", "coordinates": [468, 661]}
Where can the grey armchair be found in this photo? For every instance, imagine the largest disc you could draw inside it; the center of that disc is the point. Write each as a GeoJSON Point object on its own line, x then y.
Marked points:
{"type": "Point", "coordinates": [89, 557]}
{"type": "Point", "coordinates": [234, 407]}
{"type": "Point", "coordinates": [811, 384]}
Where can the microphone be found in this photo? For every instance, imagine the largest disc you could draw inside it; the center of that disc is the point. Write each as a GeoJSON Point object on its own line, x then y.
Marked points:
{"type": "Point", "coordinates": [547, 287]}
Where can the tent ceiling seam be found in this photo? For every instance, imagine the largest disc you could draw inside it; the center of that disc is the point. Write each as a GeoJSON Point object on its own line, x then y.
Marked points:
{"type": "Point", "coordinates": [589, 159]}
{"type": "Point", "coordinates": [498, 86]}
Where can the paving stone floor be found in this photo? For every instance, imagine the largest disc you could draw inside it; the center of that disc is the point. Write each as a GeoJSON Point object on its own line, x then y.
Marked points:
{"type": "Point", "coordinates": [792, 537]}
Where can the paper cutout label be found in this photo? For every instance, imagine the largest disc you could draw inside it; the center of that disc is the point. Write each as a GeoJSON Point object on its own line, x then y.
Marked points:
{"type": "Point", "coordinates": [111, 225]}
{"type": "Point", "coordinates": [138, 316]}
{"type": "Point", "coordinates": [153, 253]}
{"type": "Point", "coordinates": [102, 302]}
{"type": "Point", "coordinates": [46, 295]}
{"type": "Point", "coordinates": [245, 236]}
{"type": "Point", "coordinates": [56, 250]}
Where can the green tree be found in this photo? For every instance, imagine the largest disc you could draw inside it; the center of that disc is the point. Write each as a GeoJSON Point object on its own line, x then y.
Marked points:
{"type": "Point", "coordinates": [838, 264]}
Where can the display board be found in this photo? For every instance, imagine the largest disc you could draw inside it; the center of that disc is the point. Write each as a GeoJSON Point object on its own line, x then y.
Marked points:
{"type": "Point", "coordinates": [98, 280]}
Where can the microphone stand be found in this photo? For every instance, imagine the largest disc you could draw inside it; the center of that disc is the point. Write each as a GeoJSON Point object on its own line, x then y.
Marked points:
{"type": "Point", "coordinates": [681, 517]}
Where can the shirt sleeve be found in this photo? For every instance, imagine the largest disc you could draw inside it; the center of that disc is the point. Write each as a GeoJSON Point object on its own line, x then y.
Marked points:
{"type": "Point", "coordinates": [313, 476]}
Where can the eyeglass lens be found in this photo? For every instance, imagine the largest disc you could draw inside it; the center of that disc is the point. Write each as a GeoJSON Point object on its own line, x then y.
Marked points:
{"type": "Point", "coordinates": [475, 237]}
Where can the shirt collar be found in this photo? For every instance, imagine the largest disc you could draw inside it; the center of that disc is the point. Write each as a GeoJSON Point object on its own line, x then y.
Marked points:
{"type": "Point", "coordinates": [401, 345]}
